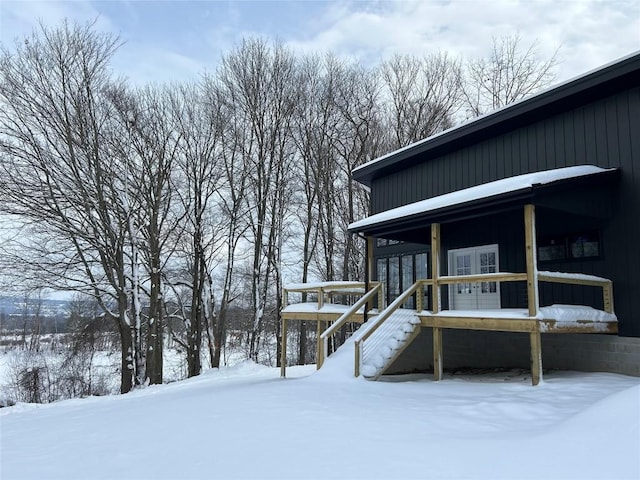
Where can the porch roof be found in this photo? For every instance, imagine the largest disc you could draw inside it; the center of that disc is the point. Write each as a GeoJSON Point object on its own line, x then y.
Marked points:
{"type": "Point", "coordinates": [502, 193]}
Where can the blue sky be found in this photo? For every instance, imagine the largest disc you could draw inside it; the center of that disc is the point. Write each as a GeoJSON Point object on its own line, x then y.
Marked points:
{"type": "Point", "coordinates": [177, 40]}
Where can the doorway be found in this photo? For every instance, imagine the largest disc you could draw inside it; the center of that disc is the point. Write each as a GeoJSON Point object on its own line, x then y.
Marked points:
{"type": "Point", "coordinates": [474, 295]}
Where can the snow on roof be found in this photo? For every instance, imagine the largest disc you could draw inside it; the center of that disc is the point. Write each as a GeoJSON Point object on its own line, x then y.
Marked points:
{"type": "Point", "coordinates": [486, 190]}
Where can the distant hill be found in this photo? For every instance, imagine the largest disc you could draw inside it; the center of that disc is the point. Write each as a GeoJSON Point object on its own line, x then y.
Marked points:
{"type": "Point", "coordinates": [48, 308]}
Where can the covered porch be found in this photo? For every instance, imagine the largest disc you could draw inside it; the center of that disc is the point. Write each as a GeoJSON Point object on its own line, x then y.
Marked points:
{"type": "Point", "coordinates": [560, 195]}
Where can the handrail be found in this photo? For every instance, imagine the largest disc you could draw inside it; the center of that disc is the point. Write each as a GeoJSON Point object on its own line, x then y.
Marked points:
{"type": "Point", "coordinates": [482, 277]}
{"type": "Point", "coordinates": [322, 288]}
{"type": "Point", "coordinates": [324, 337]}
{"type": "Point", "coordinates": [580, 279]}
{"type": "Point", "coordinates": [384, 315]}
{"type": "Point", "coordinates": [555, 277]}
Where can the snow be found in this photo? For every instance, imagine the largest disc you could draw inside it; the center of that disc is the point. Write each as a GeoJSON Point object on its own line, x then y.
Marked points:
{"type": "Point", "coordinates": [386, 341]}
{"type": "Point", "coordinates": [245, 422]}
{"type": "Point", "coordinates": [573, 276]}
{"type": "Point", "coordinates": [336, 285]}
{"type": "Point", "coordinates": [312, 307]}
{"type": "Point", "coordinates": [557, 312]}
{"type": "Point", "coordinates": [486, 190]}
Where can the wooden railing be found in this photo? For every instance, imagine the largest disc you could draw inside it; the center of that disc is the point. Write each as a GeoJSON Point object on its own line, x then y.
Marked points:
{"type": "Point", "coordinates": [323, 350]}
{"type": "Point", "coordinates": [361, 337]}
{"type": "Point", "coordinates": [588, 280]}
{"type": "Point", "coordinates": [554, 277]}
{"type": "Point", "coordinates": [327, 289]}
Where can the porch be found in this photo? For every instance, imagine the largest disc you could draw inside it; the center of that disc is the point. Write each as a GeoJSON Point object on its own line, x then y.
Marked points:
{"type": "Point", "coordinates": [389, 331]}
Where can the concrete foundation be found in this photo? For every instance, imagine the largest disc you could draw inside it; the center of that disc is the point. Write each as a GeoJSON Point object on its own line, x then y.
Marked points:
{"type": "Point", "coordinates": [480, 349]}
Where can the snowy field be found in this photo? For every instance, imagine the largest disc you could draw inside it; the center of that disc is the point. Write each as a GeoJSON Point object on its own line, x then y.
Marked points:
{"type": "Point", "coordinates": [246, 422]}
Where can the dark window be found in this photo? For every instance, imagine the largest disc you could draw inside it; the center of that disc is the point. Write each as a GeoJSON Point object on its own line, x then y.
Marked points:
{"type": "Point", "coordinates": [398, 272]}
{"type": "Point", "coordinates": [581, 245]}
{"type": "Point", "coordinates": [585, 245]}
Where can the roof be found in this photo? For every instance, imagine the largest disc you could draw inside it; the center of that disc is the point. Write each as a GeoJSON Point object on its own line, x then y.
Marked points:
{"type": "Point", "coordinates": [492, 193]}
{"type": "Point", "coordinates": [594, 85]}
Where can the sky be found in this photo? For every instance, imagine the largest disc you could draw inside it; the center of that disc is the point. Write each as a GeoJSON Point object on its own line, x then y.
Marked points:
{"type": "Point", "coordinates": [178, 40]}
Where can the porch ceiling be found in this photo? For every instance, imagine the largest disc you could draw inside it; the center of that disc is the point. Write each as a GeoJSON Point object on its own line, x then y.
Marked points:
{"type": "Point", "coordinates": [488, 198]}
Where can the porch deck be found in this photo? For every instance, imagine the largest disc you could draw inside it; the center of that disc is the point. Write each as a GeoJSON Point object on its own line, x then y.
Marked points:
{"type": "Point", "coordinates": [373, 343]}
{"type": "Point", "coordinates": [552, 319]}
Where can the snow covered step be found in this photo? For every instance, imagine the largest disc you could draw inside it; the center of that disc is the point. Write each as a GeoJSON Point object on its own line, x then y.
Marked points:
{"type": "Point", "coordinates": [387, 341]}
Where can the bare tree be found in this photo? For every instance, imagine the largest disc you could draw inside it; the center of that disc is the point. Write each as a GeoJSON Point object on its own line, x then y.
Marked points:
{"type": "Point", "coordinates": [361, 140]}
{"type": "Point", "coordinates": [423, 94]}
{"type": "Point", "coordinates": [151, 158]}
{"type": "Point", "coordinates": [58, 173]}
{"type": "Point", "coordinates": [261, 82]}
{"type": "Point", "coordinates": [511, 72]}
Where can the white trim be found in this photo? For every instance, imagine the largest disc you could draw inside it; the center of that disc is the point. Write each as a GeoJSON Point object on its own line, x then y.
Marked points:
{"type": "Point", "coordinates": [475, 269]}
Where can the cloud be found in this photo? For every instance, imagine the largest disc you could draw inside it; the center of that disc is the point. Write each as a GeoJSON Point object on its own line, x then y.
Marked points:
{"type": "Point", "coordinates": [589, 33]}
{"type": "Point", "coordinates": [20, 18]}
{"type": "Point", "coordinates": [148, 64]}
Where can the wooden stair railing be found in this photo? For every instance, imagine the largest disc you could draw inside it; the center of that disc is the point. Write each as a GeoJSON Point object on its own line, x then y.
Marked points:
{"type": "Point", "coordinates": [323, 351]}
{"type": "Point", "coordinates": [360, 338]}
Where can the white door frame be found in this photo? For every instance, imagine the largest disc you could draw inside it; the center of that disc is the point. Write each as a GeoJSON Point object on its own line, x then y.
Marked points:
{"type": "Point", "coordinates": [471, 297]}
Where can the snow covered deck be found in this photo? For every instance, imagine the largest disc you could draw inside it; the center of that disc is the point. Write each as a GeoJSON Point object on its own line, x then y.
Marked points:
{"type": "Point", "coordinates": [551, 319]}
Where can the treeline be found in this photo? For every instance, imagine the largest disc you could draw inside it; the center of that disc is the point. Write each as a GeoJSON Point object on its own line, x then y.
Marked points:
{"type": "Point", "coordinates": [186, 202]}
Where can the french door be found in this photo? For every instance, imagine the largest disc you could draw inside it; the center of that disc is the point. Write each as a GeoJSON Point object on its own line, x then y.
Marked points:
{"type": "Point", "coordinates": [474, 295]}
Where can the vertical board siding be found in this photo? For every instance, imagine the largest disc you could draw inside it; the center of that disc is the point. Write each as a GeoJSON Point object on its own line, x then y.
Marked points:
{"type": "Point", "coordinates": [604, 133]}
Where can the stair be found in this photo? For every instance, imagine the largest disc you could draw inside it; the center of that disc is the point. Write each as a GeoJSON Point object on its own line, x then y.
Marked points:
{"type": "Point", "coordinates": [386, 343]}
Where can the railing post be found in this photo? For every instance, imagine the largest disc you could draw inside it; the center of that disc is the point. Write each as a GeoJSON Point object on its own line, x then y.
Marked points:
{"type": "Point", "coordinates": [435, 266]}
{"type": "Point", "coordinates": [607, 297]}
{"type": "Point", "coordinates": [531, 256]}
{"type": "Point", "coordinates": [356, 369]}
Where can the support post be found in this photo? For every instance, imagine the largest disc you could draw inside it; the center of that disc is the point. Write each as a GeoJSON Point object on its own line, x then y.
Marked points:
{"type": "Point", "coordinates": [356, 369]}
{"type": "Point", "coordinates": [536, 358]}
{"type": "Point", "coordinates": [367, 276]}
{"type": "Point", "coordinates": [283, 349]}
{"type": "Point", "coordinates": [435, 267]}
{"type": "Point", "coordinates": [319, 345]}
{"type": "Point", "coordinates": [437, 353]}
{"type": "Point", "coordinates": [532, 261]}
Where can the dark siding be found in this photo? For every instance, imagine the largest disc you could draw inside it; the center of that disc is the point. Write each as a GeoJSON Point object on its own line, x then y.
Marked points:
{"type": "Point", "coordinates": [604, 133]}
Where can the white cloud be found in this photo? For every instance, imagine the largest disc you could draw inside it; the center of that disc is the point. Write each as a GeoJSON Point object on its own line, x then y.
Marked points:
{"type": "Point", "coordinates": [20, 18]}
{"type": "Point", "coordinates": [590, 33]}
{"type": "Point", "coordinates": [161, 47]}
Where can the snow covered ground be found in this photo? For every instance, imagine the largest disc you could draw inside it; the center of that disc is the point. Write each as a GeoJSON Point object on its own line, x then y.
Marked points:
{"type": "Point", "coordinates": [246, 422]}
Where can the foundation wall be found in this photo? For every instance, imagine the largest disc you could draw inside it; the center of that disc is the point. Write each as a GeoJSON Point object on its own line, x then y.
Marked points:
{"type": "Point", "coordinates": [479, 349]}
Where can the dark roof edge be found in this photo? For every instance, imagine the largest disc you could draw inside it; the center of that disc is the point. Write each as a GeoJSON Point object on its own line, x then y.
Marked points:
{"type": "Point", "coordinates": [590, 80]}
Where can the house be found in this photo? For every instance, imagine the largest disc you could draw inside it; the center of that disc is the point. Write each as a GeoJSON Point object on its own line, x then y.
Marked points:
{"type": "Point", "coordinates": [511, 240]}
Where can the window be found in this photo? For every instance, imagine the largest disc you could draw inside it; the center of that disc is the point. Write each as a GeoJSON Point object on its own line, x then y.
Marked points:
{"type": "Point", "coordinates": [585, 245]}
{"type": "Point", "coordinates": [381, 242]}
{"type": "Point", "coordinates": [567, 247]}
{"type": "Point", "coordinates": [552, 249]}
{"type": "Point", "coordinates": [394, 278]}
{"type": "Point", "coordinates": [399, 272]}
{"type": "Point", "coordinates": [407, 277]}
